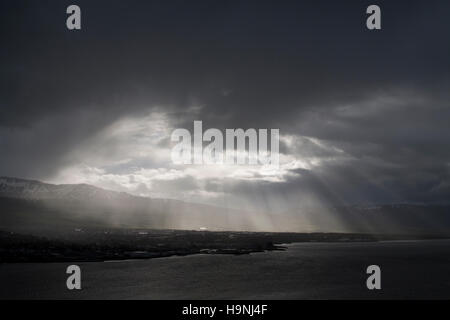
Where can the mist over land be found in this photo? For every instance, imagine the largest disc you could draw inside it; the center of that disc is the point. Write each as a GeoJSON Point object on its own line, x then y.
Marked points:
{"type": "Point", "coordinates": [43, 222]}
{"type": "Point", "coordinates": [33, 205]}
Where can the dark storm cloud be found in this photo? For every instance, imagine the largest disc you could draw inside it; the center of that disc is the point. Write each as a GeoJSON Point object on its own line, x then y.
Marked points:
{"type": "Point", "coordinates": [307, 67]}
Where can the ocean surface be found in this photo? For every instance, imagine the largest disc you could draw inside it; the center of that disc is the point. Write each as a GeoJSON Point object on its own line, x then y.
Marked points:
{"type": "Point", "coordinates": [409, 270]}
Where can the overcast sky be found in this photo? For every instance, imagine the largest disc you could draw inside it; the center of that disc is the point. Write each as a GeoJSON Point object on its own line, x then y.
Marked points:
{"type": "Point", "coordinates": [363, 115]}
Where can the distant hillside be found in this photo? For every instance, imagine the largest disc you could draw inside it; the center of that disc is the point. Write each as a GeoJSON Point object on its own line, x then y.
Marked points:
{"type": "Point", "coordinates": [36, 190]}
{"type": "Point", "coordinates": [42, 208]}
{"type": "Point", "coordinates": [32, 204]}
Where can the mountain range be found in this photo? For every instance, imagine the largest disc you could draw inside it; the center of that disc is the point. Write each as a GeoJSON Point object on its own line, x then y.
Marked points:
{"type": "Point", "coordinates": [34, 206]}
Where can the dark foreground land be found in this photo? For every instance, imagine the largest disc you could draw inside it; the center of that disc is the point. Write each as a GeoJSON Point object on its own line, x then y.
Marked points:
{"type": "Point", "coordinates": [120, 244]}
{"type": "Point", "coordinates": [308, 270]}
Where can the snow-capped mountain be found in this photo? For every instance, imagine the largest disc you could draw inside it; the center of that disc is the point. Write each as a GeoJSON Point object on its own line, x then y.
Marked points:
{"type": "Point", "coordinates": [28, 202]}
{"type": "Point", "coordinates": [42, 205]}
{"type": "Point", "coordinates": [36, 190]}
